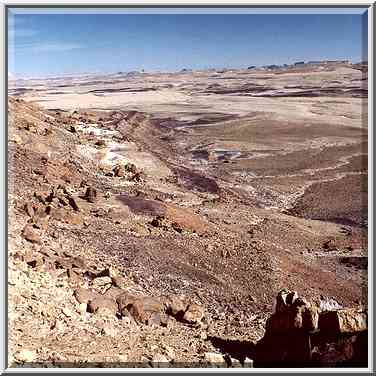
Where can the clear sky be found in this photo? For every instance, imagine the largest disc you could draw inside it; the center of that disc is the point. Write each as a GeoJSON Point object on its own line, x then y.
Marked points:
{"type": "Point", "coordinates": [45, 44]}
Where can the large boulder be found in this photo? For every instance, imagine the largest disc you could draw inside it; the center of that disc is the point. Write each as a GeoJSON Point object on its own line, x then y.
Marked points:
{"type": "Point", "coordinates": [83, 295]}
{"type": "Point", "coordinates": [142, 309]}
{"type": "Point", "coordinates": [292, 314]}
{"type": "Point", "coordinates": [102, 305]}
{"type": "Point", "coordinates": [299, 333]}
{"type": "Point", "coordinates": [176, 306]}
{"type": "Point", "coordinates": [348, 320]}
{"type": "Point", "coordinates": [195, 314]}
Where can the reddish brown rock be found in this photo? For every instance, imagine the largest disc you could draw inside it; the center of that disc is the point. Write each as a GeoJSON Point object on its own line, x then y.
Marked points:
{"type": "Point", "coordinates": [67, 177]}
{"type": "Point", "coordinates": [142, 309]}
{"type": "Point", "coordinates": [74, 277]}
{"type": "Point", "coordinates": [74, 219]}
{"type": "Point", "coordinates": [177, 227]}
{"type": "Point", "coordinates": [194, 314]}
{"type": "Point", "coordinates": [67, 216]}
{"type": "Point", "coordinates": [113, 292]}
{"type": "Point", "coordinates": [30, 234]}
{"type": "Point", "coordinates": [124, 301]}
{"type": "Point", "coordinates": [103, 305]}
{"type": "Point", "coordinates": [292, 314]}
{"type": "Point", "coordinates": [83, 295]}
{"type": "Point", "coordinates": [297, 316]}
{"type": "Point", "coordinates": [185, 219]}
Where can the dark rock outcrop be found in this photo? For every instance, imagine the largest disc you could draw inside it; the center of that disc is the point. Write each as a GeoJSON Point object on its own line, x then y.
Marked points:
{"type": "Point", "coordinates": [300, 334]}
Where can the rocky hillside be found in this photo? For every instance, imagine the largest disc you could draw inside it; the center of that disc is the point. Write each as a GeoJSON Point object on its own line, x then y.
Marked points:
{"type": "Point", "coordinates": [120, 254]}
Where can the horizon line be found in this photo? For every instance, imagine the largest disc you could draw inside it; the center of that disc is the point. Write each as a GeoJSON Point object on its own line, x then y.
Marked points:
{"type": "Point", "coordinates": [178, 70]}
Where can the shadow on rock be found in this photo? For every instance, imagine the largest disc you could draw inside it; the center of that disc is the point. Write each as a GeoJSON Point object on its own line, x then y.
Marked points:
{"type": "Point", "coordinates": [234, 348]}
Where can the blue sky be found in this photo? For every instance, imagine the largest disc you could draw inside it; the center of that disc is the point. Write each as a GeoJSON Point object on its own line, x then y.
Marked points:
{"type": "Point", "coordinates": [45, 44]}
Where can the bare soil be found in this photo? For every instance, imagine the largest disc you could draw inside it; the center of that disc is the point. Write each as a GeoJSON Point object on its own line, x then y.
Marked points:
{"type": "Point", "coordinates": [232, 199]}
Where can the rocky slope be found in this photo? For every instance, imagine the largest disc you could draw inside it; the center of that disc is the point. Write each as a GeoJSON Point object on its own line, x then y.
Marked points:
{"type": "Point", "coordinates": [123, 254]}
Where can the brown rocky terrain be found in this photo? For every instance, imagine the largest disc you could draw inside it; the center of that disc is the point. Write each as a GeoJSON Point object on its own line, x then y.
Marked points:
{"type": "Point", "coordinates": [157, 231]}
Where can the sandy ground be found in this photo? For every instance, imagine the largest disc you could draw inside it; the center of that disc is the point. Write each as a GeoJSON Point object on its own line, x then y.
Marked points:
{"type": "Point", "coordinates": [186, 96]}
